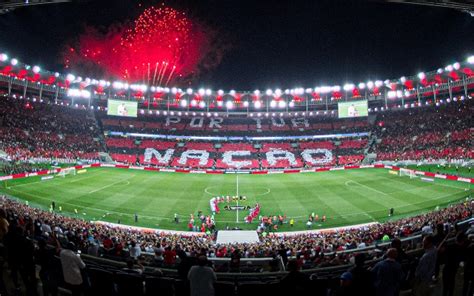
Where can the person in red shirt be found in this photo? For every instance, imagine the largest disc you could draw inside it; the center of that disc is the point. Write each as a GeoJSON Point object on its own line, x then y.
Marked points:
{"type": "Point", "coordinates": [169, 257]}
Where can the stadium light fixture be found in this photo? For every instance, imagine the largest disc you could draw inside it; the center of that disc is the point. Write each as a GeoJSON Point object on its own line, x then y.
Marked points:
{"type": "Point", "coordinates": [370, 84]}
{"type": "Point", "coordinates": [361, 85]}
{"type": "Point", "coordinates": [268, 92]}
{"type": "Point", "coordinates": [456, 66]}
{"type": "Point", "coordinates": [257, 104]}
{"type": "Point", "coordinates": [246, 104]}
{"type": "Point", "coordinates": [232, 92]}
{"type": "Point", "coordinates": [273, 103]}
{"type": "Point", "coordinates": [282, 104]}
{"type": "Point", "coordinates": [291, 104]}
{"type": "Point", "coordinates": [278, 92]}
{"type": "Point", "coordinates": [189, 91]}
{"type": "Point", "coordinates": [325, 89]}
{"type": "Point", "coordinates": [439, 71]}
{"type": "Point", "coordinates": [348, 86]}
{"type": "Point", "coordinates": [229, 105]}
{"type": "Point", "coordinates": [448, 68]}
{"type": "Point", "coordinates": [70, 78]}
{"type": "Point", "coordinates": [183, 103]}
{"type": "Point", "coordinates": [470, 59]}
{"type": "Point", "coordinates": [403, 79]}
{"type": "Point", "coordinates": [14, 62]}
{"type": "Point", "coordinates": [220, 103]}
{"type": "Point", "coordinates": [220, 92]}
{"type": "Point", "coordinates": [202, 104]}
{"type": "Point", "coordinates": [378, 83]}
{"type": "Point", "coordinates": [36, 69]}
{"type": "Point", "coordinates": [336, 88]}
{"type": "Point", "coordinates": [3, 57]}
{"type": "Point", "coordinates": [208, 92]}
{"type": "Point", "coordinates": [421, 75]}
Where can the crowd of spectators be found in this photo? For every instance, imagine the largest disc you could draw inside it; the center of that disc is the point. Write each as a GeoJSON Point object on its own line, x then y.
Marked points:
{"type": "Point", "coordinates": [99, 238]}
{"type": "Point", "coordinates": [22, 225]}
{"type": "Point", "coordinates": [31, 130]}
{"type": "Point", "coordinates": [426, 133]}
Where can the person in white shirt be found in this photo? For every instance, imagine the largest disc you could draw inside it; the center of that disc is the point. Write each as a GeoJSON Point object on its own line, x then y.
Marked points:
{"type": "Point", "coordinates": [135, 250]}
{"type": "Point", "coordinates": [122, 110]}
{"type": "Point", "coordinates": [352, 111]}
{"type": "Point", "coordinates": [72, 265]}
{"type": "Point", "coordinates": [45, 228]}
{"type": "Point", "coordinates": [202, 278]}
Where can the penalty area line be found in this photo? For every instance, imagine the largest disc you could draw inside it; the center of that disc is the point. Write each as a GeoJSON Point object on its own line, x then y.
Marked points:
{"type": "Point", "coordinates": [112, 184]}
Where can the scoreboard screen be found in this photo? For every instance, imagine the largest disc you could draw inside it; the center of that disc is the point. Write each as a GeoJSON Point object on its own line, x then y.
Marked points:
{"type": "Point", "coordinates": [122, 108]}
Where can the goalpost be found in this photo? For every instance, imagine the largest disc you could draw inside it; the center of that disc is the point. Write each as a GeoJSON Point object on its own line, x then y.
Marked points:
{"type": "Point", "coordinates": [66, 171]}
{"type": "Point", "coordinates": [407, 172]}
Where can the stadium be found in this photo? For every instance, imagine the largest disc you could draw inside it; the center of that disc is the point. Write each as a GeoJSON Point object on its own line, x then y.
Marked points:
{"type": "Point", "coordinates": [123, 160]}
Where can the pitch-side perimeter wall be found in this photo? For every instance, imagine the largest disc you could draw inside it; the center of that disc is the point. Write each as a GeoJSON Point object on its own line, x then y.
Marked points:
{"type": "Point", "coordinates": [260, 172]}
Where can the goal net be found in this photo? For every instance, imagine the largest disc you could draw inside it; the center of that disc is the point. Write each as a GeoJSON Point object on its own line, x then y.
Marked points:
{"type": "Point", "coordinates": [66, 171]}
{"type": "Point", "coordinates": [407, 172]}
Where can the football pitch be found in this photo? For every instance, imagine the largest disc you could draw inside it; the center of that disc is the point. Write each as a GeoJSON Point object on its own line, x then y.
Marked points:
{"type": "Point", "coordinates": [345, 197]}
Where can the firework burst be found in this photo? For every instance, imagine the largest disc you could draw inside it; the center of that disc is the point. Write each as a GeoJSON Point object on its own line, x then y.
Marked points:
{"type": "Point", "coordinates": [160, 47]}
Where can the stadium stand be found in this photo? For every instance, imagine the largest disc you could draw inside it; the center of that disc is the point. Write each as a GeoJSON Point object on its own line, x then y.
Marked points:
{"type": "Point", "coordinates": [33, 130]}
{"type": "Point", "coordinates": [329, 252]}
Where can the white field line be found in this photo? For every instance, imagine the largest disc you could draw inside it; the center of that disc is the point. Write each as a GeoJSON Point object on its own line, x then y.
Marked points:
{"type": "Point", "coordinates": [221, 221]}
{"type": "Point", "coordinates": [112, 184]}
{"type": "Point", "coordinates": [374, 211]}
{"type": "Point", "coordinates": [52, 180]}
{"type": "Point", "coordinates": [434, 184]}
{"type": "Point", "coordinates": [370, 188]}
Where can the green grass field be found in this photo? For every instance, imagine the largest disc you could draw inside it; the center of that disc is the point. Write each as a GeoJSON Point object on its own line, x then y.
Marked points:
{"type": "Point", "coordinates": [345, 197]}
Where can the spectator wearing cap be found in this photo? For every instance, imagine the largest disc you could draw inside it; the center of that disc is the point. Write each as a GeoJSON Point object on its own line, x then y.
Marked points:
{"type": "Point", "coordinates": [72, 266]}
{"type": "Point", "coordinates": [345, 284]}
{"type": "Point", "coordinates": [388, 275]}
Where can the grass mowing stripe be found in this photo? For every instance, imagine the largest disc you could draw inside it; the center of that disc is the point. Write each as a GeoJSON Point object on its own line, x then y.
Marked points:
{"type": "Point", "coordinates": [155, 197]}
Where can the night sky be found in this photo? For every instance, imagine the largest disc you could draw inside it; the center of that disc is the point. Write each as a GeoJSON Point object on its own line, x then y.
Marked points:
{"type": "Point", "coordinates": [274, 43]}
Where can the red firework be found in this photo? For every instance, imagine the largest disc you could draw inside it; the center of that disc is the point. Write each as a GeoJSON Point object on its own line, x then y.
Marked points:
{"type": "Point", "coordinates": [159, 47]}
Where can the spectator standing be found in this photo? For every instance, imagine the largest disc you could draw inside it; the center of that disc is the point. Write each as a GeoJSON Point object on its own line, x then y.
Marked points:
{"type": "Point", "coordinates": [453, 255]}
{"type": "Point", "coordinates": [362, 278]}
{"type": "Point", "coordinates": [45, 259]}
{"type": "Point", "coordinates": [295, 281]}
{"type": "Point", "coordinates": [426, 268]}
{"type": "Point", "coordinates": [3, 224]}
{"type": "Point", "coordinates": [202, 278]}
{"type": "Point", "coordinates": [388, 275]}
{"type": "Point", "coordinates": [72, 266]}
